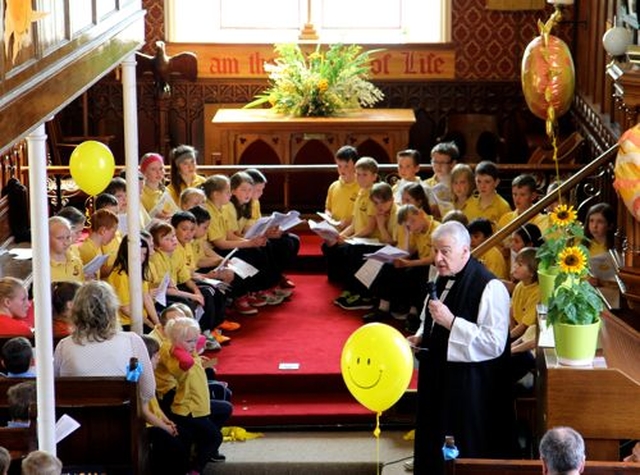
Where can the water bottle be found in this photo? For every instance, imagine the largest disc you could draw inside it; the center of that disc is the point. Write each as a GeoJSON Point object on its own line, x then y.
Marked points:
{"type": "Point", "coordinates": [449, 449]}
{"type": "Point", "coordinates": [134, 369]}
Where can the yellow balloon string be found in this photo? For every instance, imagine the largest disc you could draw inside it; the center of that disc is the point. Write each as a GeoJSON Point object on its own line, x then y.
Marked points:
{"type": "Point", "coordinates": [88, 206]}
{"type": "Point", "coordinates": [376, 433]}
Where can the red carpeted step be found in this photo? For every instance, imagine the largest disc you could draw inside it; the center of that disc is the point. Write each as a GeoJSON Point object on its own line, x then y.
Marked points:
{"type": "Point", "coordinates": [283, 365]}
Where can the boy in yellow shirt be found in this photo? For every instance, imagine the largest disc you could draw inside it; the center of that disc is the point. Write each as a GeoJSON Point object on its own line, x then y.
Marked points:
{"type": "Point", "coordinates": [524, 191]}
{"type": "Point", "coordinates": [444, 156]}
{"type": "Point", "coordinates": [408, 168]}
{"type": "Point", "coordinates": [66, 265]}
{"type": "Point", "coordinates": [401, 284]}
{"type": "Point", "coordinates": [343, 192]}
{"type": "Point", "coordinates": [488, 203]}
{"type": "Point", "coordinates": [104, 226]}
{"type": "Point", "coordinates": [480, 230]}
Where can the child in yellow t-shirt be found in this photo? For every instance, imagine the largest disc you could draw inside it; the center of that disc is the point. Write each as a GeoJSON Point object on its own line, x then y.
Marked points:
{"type": "Point", "coordinates": [480, 230]}
{"type": "Point", "coordinates": [191, 406]}
{"type": "Point", "coordinates": [77, 220]}
{"type": "Point", "coordinates": [191, 197]}
{"type": "Point", "coordinates": [155, 198]}
{"type": "Point", "coordinates": [343, 192]}
{"type": "Point", "coordinates": [104, 226]}
{"type": "Point", "coordinates": [168, 449]}
{"type": "Point", "coordinates": [599, 228]}
{"type": "Point", "coordinates": [119, 280]}
{"type": "Point", "coordinates": [524, 301]}
{"type": "Point", "coordinates": [487, 203]}
{"type": "Point", "coordinates": [444, 157]}
{"type": "Point", "coordinates": [65, 264]}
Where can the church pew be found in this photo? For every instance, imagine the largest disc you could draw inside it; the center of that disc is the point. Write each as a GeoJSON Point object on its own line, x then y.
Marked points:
{"type": "Point", "coordinates": [464, 466]}
{"type": "Point", "coordinates": [111, 436]}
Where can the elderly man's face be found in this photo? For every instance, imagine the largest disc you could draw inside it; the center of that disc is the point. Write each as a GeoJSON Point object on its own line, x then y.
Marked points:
{"type": "Point", "coordinates": [450, 257]}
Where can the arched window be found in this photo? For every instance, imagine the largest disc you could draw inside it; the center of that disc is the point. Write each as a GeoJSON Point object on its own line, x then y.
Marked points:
{"type": "Point", "coordinates": [332, 21]}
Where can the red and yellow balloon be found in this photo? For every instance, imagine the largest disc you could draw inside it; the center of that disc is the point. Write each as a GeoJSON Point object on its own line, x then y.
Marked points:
{"type": "Point", "coordinates": [92, 166]}
{"type": "Point", "coordinates": [548, 75]}
{"type": "Point", "coordinates": [627, 170]}
{"type": "Point", "coordinates": [376, 365]}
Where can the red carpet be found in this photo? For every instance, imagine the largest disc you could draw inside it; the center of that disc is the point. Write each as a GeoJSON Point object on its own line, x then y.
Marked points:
{"type": "Point", "coordinates": [309, 331]}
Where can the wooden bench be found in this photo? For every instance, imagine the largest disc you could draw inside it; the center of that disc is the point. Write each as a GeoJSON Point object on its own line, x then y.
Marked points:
{"type": "Point", "coordinates": [464, 466]}
{"type": "Point", "coordinates": [111, 437]}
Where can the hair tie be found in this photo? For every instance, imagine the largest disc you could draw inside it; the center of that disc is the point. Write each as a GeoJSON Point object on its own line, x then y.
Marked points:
{"type": "Point", "coordinates": [148, 159]}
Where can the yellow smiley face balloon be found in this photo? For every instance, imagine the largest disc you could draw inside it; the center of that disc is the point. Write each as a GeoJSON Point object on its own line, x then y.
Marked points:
{"type": "Point", "coordinates": [376, 365]}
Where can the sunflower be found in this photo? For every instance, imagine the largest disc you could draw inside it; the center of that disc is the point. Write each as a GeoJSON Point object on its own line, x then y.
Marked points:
{"type": "Point", "coordinates": [563, 215]}
{"type": "Point", "coordinates": [573, 260]}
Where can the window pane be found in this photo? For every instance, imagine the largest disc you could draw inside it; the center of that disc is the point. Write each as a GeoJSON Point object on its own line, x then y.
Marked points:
{"type": "Point", "coordinates": [264, 15]}
{"type": "Point", "coordinates": [361, 14]}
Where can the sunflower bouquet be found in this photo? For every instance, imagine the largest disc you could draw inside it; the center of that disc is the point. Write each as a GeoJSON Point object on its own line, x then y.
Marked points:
{"type": "Point", "coordinates": [322, 83]}
{"type": "Point", "coordinates": [574, 300]}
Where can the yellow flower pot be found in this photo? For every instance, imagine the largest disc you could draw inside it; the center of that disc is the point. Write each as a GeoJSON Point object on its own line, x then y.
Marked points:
{"type": "Point", "coordinates": [576, 344]}
{"type": "Point", "coordinates": [546, 282]}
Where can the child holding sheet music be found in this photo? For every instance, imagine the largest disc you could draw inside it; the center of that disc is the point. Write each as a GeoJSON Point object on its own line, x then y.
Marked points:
{"type": "Point", "coordinates": [104, 225]}
{"type": "Point", "coordinates": [343, 192]}
{"type": "Point", "coordinates": [284, 244]}
{"type": "Point", "coordinates": [65, 264]}
{"type": "Point", "coordinates": [599, 231]}
{"type": "Point", "coordinates": [119, 280]}
{"type": "Point", "coordinates": [401, 282]}
{"type": "Point", "coordinates": [184, 223]}
{"type": "Point", "coordinates": [184, 171]}
{"type": "Point", "coordinates": [252, 251]}
{"type": "Point", "coordinates": [167, 261]}
{"type": "Point", "coordinates": [154, 196]}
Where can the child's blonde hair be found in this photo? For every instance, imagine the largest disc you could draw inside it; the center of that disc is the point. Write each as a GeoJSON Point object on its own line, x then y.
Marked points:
{"type": "Point", "coordinates": [190, 193]}
{"type": "Point", "coordinates": [173, 308]}
{"type": "Point", "coordinates": [367, 164]}
{"type": "Point", "coordinates": [215, 183]}
{"type": "Point", "coordinates": [184, 308]}
{"type": "Point", "coordinates": [181, 328]}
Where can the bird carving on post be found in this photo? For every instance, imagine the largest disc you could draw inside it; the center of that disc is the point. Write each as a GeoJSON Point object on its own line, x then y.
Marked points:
{"type": "Point", "coordinates": [165, 67]}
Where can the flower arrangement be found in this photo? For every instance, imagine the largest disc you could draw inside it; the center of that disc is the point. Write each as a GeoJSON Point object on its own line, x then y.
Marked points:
{"type": "Point", "coordinates": [574, 300]}
{"type": "Point", "coordinates": [320, 84]}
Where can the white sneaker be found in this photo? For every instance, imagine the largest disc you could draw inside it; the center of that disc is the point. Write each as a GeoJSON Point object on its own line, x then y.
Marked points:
{"type": "Point", "coordinates": [408, 466]}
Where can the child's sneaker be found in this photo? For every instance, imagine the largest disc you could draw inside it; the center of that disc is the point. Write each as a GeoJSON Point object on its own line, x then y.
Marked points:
{"type": "Point", "coordinates": [210, 343]}
{"type": "Point", "coordinates": [229, 326]}
{"type": "Point", "coordinates": [286, 283]}
{"type": "Point", "coordinates": [255, 300]}
{"type": "Point", "coordinates": [243, 306]}
{"type": "Point", "coordinates": [342, 298]}
{"type": "Point", "coordinates": [270, 298]}
{"type": "Point", "coordinates": [355, 302]}
{"type": "Point", "coordinates": [280, 292]}
{"type": "Point", "coordinates": [220, 338]}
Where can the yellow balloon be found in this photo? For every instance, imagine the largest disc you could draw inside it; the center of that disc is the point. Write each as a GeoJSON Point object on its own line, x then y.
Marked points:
{"type": "Point", "coordinates": [376, 365]}
{"type": "Point", "coordinates": [92, 166]}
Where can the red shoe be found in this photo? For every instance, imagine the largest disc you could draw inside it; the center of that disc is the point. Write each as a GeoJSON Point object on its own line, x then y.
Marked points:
{"type": "Point", "coordinates": [243, 307]}
{"type": "Point", "coordinates": [228, 326]}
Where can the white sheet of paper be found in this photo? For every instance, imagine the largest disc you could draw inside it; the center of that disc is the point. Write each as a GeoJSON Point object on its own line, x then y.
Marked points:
{"type": "Point", "coordinates": [241, 268]}
{"type": "Point", "coordinates": [259, 227]}
{"type": "Point", "coordinates": [226, 259]}
{"type": "Point", "coordinates": [123, 227]}
{"type": "Point", "coordinates": [289, 366]}
{"type": "Point", "coordinates": [65, 426]}
{"type": "Point", "coordinates": [365, 241]}
{"type": "Point", "coordinates": [328, 219]}
{"type": "Point", "coordinates": [199, 312]}
{"type": "Point", "coordinates": [93, 266]}
{"type": "Point", "coordinates": [369, 271]}
{"type": "Point", "coordinates": [324, 230]}
{"type": "Point", "coordinates": [603, 267]}
{"type": "Point", "coordinates": [161, 296]}
{"type": "Point", "coordinates": [388, 254]}
{"type": "Point", "coordinates": [286, 221]}
{"type": "Point", "coordinates": [22, 253]}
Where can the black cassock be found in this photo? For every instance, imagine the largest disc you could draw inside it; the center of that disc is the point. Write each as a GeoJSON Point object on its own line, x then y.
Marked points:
{"type": "Point", "coordinates": [471, 401]}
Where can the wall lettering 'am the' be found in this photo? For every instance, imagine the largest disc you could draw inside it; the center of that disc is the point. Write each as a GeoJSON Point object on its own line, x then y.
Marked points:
{"type": "Point", "coordinates": [393, 62]}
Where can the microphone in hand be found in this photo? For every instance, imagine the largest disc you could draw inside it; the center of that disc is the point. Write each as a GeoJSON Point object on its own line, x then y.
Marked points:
{"type": "Point", "coordinates": [431, 291]}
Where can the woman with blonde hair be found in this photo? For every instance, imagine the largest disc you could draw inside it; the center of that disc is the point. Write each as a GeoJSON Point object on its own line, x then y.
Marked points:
{"type": "Point", "coordinates": [14, 308]}
{"type": "Point", "coordinates": [98, 346]}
